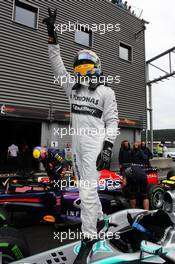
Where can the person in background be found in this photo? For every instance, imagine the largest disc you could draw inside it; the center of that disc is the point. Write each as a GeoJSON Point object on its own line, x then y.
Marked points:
{"type": "Point", "coordinates": [54, 164]}
{"type": "Point", "coordinates": [135, 179]}
{"type": "Point", "coordinates": [147, 152]}
{"type": "Point", "coordinates": [120, 3]}
{"type": "Point", "coordinates": [164, 150]}
{"type": "Point", "coordinates": [125, 5]}
{"type": "Point", "coordinates": [67, 154]}
{"type": "Point", "coordinates": [124, 154]}
{"type": "Point", "coordinates": [129, 9]}
{"type": "Point", "coordinates": [159, 149]}
{"type": "Point", "coordinates": [12, 156]}
{"type": "Point", "coordinates": [52, 160]}
{"type": "Point", "coordinates": [137, 155]}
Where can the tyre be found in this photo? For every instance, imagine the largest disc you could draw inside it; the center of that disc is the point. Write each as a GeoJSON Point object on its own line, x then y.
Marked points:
{"type": "Point", "coordinates": [12, 245]}
{"type": "Point", "coordinates": [155, 194]}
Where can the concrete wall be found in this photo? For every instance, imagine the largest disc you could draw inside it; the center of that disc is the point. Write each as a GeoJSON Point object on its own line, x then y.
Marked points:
{"type": "Point", "coordinates": [162, 163]}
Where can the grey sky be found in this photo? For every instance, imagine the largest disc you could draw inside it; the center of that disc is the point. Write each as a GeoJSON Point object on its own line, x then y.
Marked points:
{"type": "Point", "coordinates": [160, 36]}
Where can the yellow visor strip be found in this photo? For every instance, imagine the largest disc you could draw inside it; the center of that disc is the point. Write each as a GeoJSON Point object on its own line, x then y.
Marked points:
{"type": "Point", "coordinates": [83, 69]}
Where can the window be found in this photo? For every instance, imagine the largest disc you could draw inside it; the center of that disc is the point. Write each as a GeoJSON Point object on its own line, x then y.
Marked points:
{"type": "Point", "coordinates": [25, 14]}
{"type": "Point", "coordinates": [83, 36]}
{"type": "Point", "coordinates": [125, 52]}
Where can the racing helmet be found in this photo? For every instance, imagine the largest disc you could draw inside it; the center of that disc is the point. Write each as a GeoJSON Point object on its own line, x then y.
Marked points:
{"type": "Point", "coordinates": [40, 153]}
{"type": "Point", "coordinates": [86, 63]}
{"type": "Point", "coordinates": [171, 175]}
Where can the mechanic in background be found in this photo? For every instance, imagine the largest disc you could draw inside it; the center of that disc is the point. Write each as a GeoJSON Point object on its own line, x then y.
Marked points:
{"type": "Point", "coordinates": [135, 183]}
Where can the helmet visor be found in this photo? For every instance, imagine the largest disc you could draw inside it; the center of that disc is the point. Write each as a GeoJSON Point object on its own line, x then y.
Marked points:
{"type": "Point", "coordinates": [84, 69]}
{"type": "Point", "coordinates": [85, 58]}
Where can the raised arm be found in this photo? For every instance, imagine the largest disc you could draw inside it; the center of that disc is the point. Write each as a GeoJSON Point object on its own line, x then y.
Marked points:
{"type": "Point", "coordinates": [62, 77]}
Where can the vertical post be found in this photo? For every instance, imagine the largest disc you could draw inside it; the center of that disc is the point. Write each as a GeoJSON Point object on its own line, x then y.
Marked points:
{"type": "Point", "coordinates": [170, 62]}
{"type": "Point", "coordinates": [146, 136]}
{"type": "Point", "coordinates": [147, 103]}
{"type": "Point", "coordinates": [151, 117]}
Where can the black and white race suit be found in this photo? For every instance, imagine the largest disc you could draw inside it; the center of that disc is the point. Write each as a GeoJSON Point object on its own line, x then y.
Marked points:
{"type": "Point", "coordinates": [94, 119]}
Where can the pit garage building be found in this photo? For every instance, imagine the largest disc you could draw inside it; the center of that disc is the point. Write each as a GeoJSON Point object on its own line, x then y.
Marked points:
{"type": "Point", "coordinates": [32, 107]}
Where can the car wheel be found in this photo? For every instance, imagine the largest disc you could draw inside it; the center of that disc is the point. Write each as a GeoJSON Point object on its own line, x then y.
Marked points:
{"type": "Point", "coordinates": [12, 245]}
{"type": "Point", "coordinates": [156, 194]}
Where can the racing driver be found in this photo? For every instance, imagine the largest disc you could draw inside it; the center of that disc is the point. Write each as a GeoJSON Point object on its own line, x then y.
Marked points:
{"type": "Point", "coordinates": [95, 121]}
{"type": "Point", "coordinates": [52, 159]}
